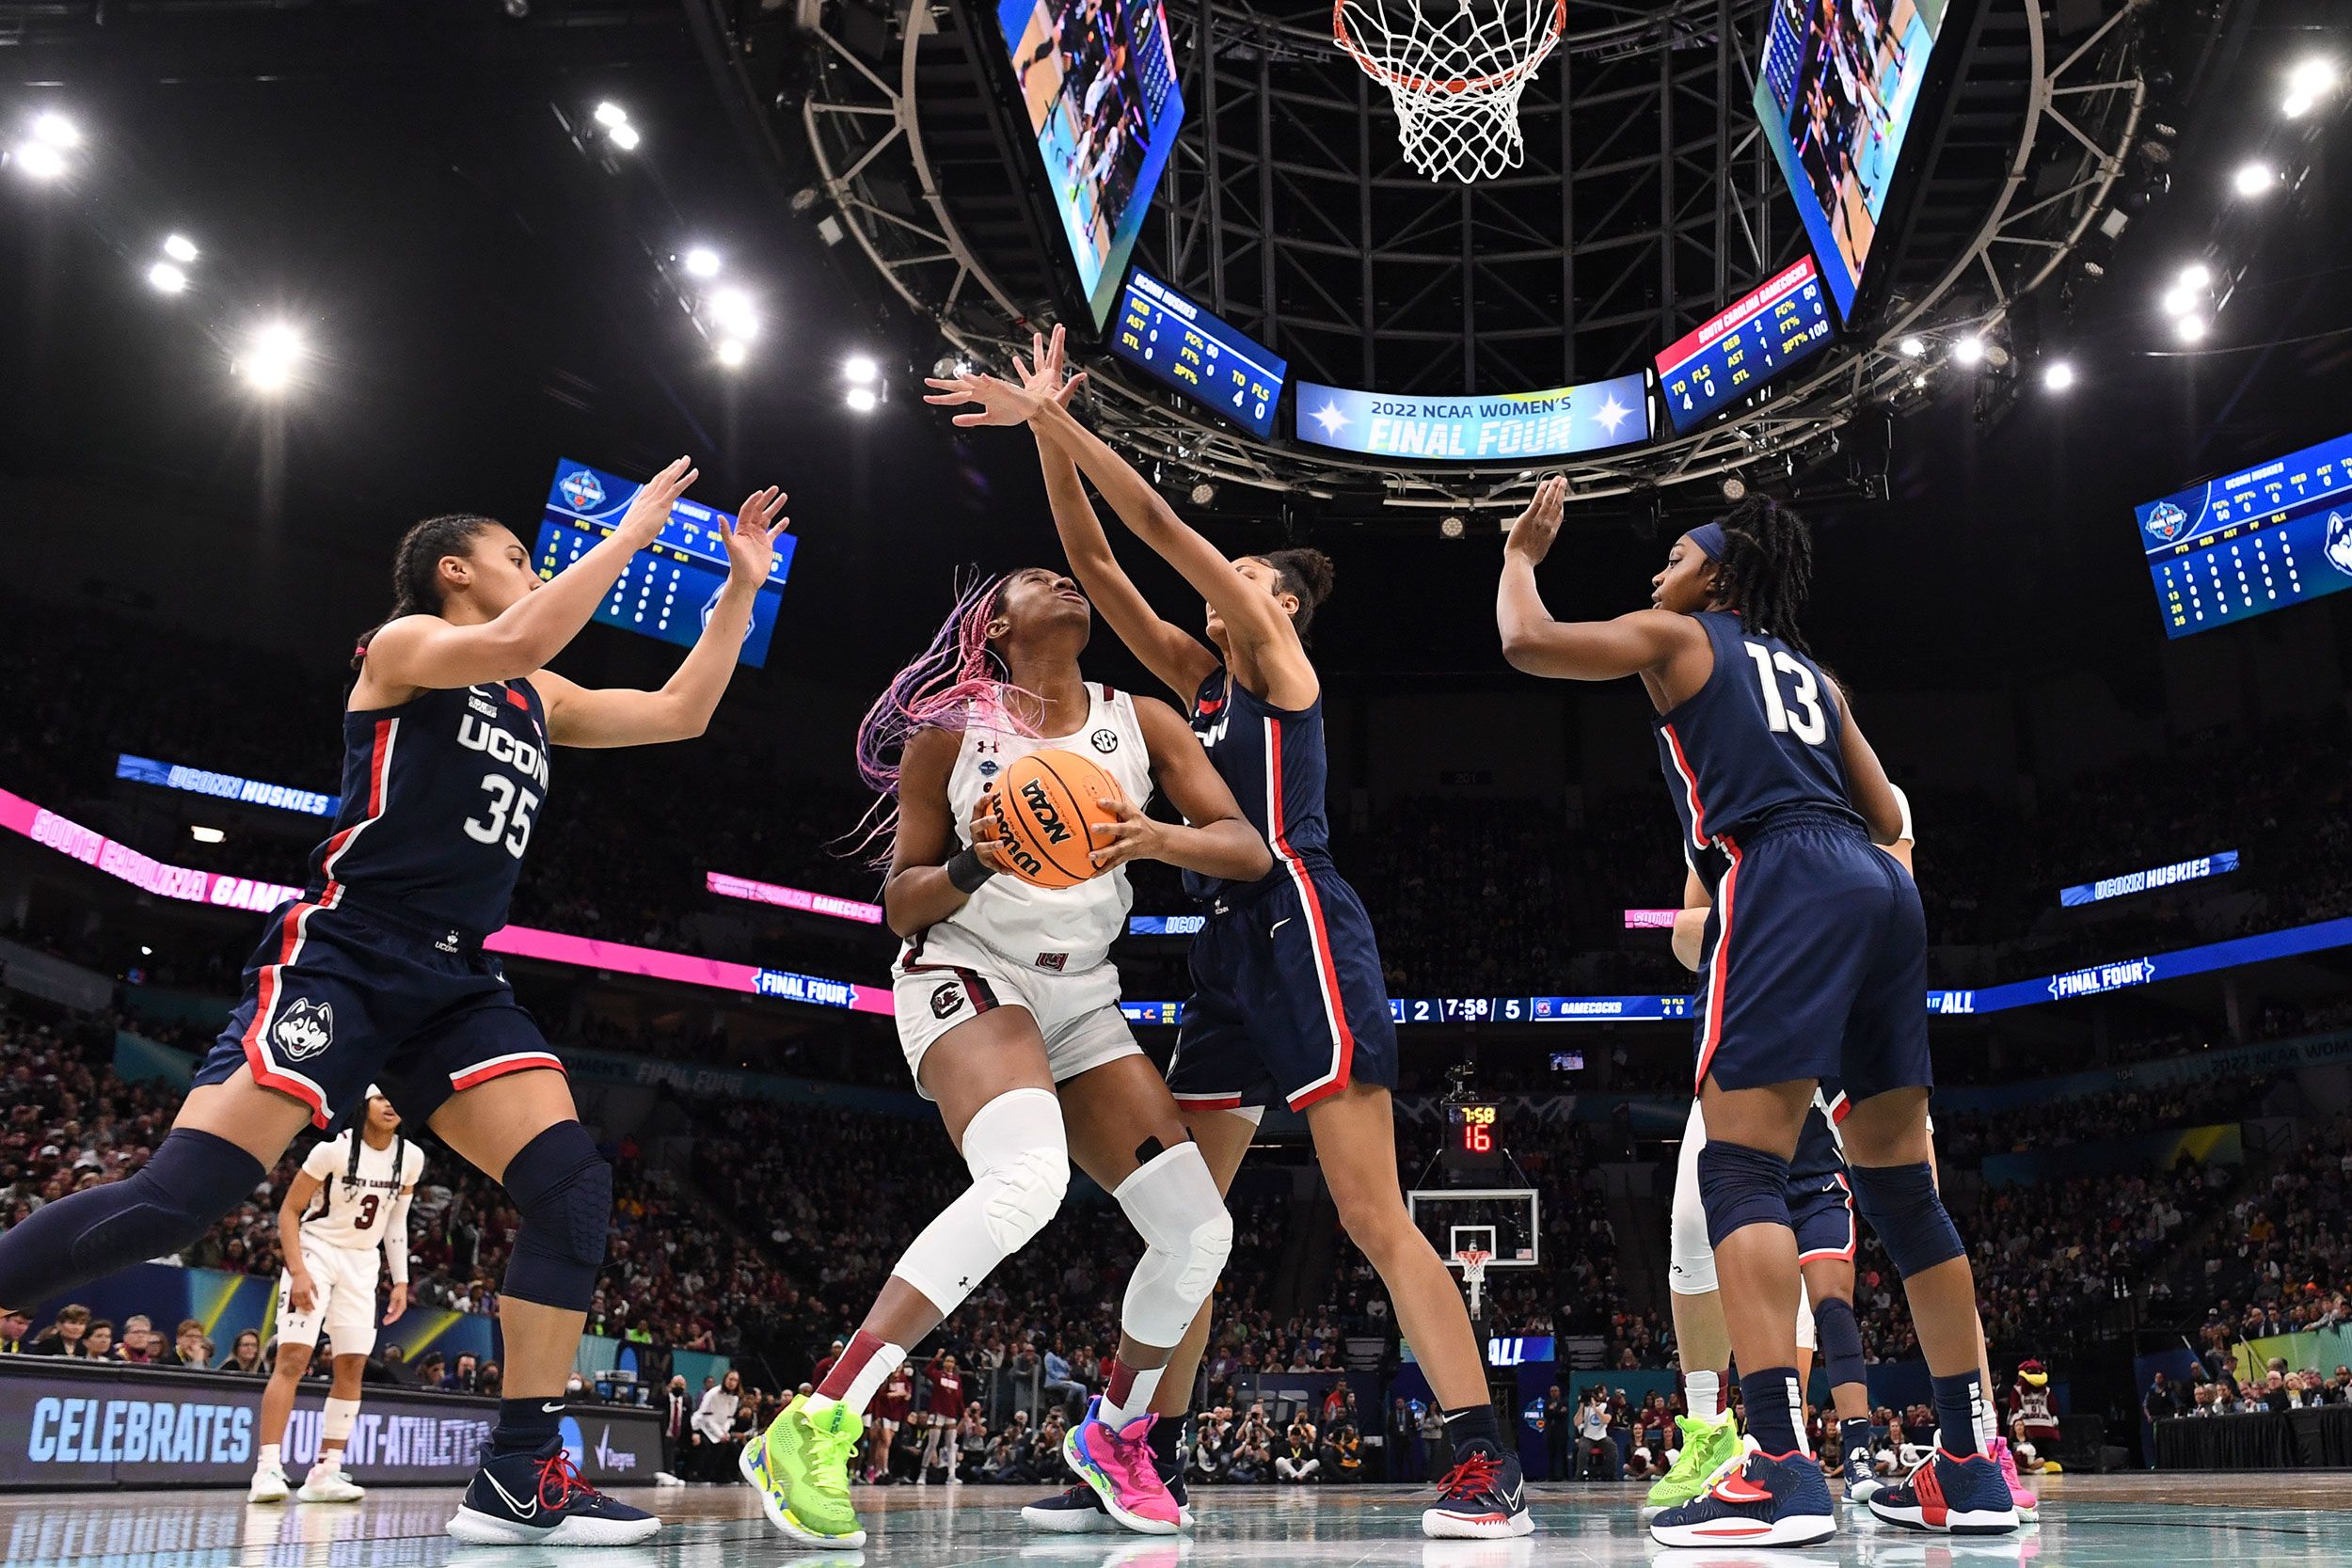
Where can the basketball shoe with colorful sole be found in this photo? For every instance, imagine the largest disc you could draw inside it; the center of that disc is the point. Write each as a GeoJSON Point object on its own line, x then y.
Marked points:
{"type": "Point", "coordinates": [799, 1467]}
{"type": "Point", "coordinates": [1950, 1496]}
{"type": "Point", "coordinates": [1770, 1501]}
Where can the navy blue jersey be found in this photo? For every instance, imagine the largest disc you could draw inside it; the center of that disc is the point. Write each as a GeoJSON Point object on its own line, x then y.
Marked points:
{"type": "Point", "coordinates": [1273, 760]}
{"type": "Point", "coordinates": [439, 796]}
{"type": "Point", "coordinates": [1761, 735]}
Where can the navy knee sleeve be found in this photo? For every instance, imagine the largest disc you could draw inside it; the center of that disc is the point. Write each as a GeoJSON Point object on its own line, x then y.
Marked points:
{"type": "Point", "coordinates": [191, 1180]}
{"type": "Point", "coordinates": [1741, 1186]}
{"type": "Point", "coordinates": [1903, 1207]}
{"type": "Point", "coordinates": [1841, 1342]}
{"type": "Point", "coordinates": [564, 1190]}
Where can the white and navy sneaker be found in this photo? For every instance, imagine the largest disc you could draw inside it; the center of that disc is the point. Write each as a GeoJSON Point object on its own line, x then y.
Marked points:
{"type": "Point", "coordinates": [1079, 1511]}
{"type": "Point", "coordinates": [538, 1498]}
{"type": "Point", "coordinates": [1862, 1482]}
{"type": "Point", "coordinates": [1951, 1495]}
{"type": "Point", "coordinates": [1484, 1497]}
{"type": "Point", "coordinates": [1770, 1501]}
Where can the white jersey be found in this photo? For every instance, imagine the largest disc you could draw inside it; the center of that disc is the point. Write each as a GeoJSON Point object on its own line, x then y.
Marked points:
{"type": "Point", "coordinates": [354, 1206]}
{"type": "Point", "coordinates": [1060, 930]}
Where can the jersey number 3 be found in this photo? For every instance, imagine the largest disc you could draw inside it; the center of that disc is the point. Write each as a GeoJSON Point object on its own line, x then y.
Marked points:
{"type": "Point", "coordinates": [1803, 717]}
{"type": "Point", "coordinates": [510, 804]}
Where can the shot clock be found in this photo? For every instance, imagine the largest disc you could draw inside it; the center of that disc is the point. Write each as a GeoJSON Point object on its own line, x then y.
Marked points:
{"type": "Point", "coordinates": [1473, 1136]}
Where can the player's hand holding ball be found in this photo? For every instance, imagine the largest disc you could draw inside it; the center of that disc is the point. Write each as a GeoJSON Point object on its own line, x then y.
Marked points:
{"type": "Point", "coordinates": [1047, 815]}
{"type": "Point", "coordinates": [1537, 529]}
{"type": "Point", "coordinates": [640, 525]}
{"type": "Point", "coordinates": [987, 834]}
{"type": "Point", "coordinates": [1129, 836]}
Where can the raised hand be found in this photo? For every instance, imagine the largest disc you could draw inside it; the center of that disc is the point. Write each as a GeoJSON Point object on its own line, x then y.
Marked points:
{"type": "Point", "coordinates": [650, 508]}
{"type": "Point", "coordinates": [1536, 529]}
{"type": "Point", "coordinates": [1048, 373]}
{"type": "Point", "coordinates": [999, 402]}
{"type": "Point", "coordinates": [752, 542]}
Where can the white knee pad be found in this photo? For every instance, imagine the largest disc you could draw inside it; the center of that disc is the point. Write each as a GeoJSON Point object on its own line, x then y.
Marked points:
{"type": "Point", "coordinates": [1019, 1166]}
{"type": "Point", "coordinates": [1173, 1203]}
{"type": "Point", "coordinates": [1692, 1259]}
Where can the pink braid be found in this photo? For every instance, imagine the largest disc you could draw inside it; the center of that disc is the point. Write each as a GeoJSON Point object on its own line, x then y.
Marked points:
{"type": "Point", "coordinates": [955, 684]}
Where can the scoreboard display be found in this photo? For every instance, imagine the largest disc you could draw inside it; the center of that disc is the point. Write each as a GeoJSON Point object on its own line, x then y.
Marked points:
{"type": "Point", "coordinates": [1473, 1136]}
{"type": "Point", "coordinates": [1162, 333]}
{"type": "Point", "coordinates": [2253, 541]}
{"type": "Point", "coordinates": [1731, 357]}
{"type": "Point", "coordinates": [669, 587]}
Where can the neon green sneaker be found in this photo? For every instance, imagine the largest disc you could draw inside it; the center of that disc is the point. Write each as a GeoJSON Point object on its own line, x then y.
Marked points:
{"type": "Point", "coordinates": [801, 1466]}
{"type": "Point", "coordinates": [1706, 1447]}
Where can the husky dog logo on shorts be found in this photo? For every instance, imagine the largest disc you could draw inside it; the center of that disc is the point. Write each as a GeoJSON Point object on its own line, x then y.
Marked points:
{"type": "Point", "coordinates": [1106, 741]}
{"type": "Point", "coordinates": [304, 1030]}
{"type": "Point", "coordinates": [2339, 541]}
{"type": "Point", "coordinates": [946, 999]}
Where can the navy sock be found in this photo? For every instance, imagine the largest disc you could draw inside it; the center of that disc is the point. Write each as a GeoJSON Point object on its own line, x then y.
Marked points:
{"type": "Point", "coordinates": [525, 1426]}
{"type": "Point", "coordinates": [1473, 1422]}
{"type": "Point", "coordinates": [1770, 1400]}
{"type": "Point", "coordinates": [1956, 1401]}
{"type": "Point", "coordinates": [1168, 1435]}
{"type": "Point", "coordinates": [1853, 1434]}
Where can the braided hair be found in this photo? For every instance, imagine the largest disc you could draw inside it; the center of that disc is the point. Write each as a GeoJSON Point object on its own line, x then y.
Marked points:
{"type": "Point", "coordinates": [417, 568]}
{"type": "Point", "coordinates": [1767, 567]}
{"type": "Point", "coordinates": [1307, 575]}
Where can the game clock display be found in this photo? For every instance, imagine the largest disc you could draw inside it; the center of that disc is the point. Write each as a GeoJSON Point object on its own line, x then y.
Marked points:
{"type": "Point", "coordinates": [2257, 540]}
{"type": "Point", "coordinates": [1166, 335]}
{"type": "Point", "coordinates": [670, 587]}
{"type": "Point", "coordinates": [1732, 355]}
{"type": "Point", "coordinates": [1473, 1137]}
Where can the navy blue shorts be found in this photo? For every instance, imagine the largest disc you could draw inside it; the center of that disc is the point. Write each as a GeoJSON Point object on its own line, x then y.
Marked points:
{"type": "Point", "coordinates": [1817, 962]}
{"type": "Point", "coordinates": [1288, 999]}
{"type": "Point", "coordinates": [1820, 1201]}
{"type": "Point", "coordinates": [337, 998]}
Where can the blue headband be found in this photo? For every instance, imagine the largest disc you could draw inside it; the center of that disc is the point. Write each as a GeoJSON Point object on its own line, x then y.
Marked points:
{"type": "Point", "coordinates": [1709, 537]}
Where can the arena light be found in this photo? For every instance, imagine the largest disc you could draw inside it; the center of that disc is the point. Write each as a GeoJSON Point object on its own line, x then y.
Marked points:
{"type": "Point", "coordinates": [626, 137]}
{"type": "Point", "coordinates": [2060, 375]}
{"type": "Point", "coordinates": [1452, 527]}
{"type": "Point", "coordinates": [2307, 84]}
{"type": "Point", "coordinates": [611, 115]}
{"type": "Point", "coordinates": [2196, 275]}
{"type": "Point", "coordinates": [732, 354]}
{"type": "Point", "coordinates": [2180, 301]}
{"type": "Point", "coordinates": [2254, 179]}
{"type": "Point", "coordinates": [165, 278]}
{"type": "Point", "coordinates": [179, 247]}
{"type": "Point", "coordinates": [862, 400]}
{"type": "Point", "coordinates": [207, 835]}
{"type": "Point", "coordinates": [733, 309]}
{"type": "Point", "coordinates": [38, 159]}
{"type": "Point", "coordinates": [701, 261]}
{"type": "Point", "coordinates": [57, 131]}
{"type": "Point", "coordinates": [860, 370]}
{"type": "Point", "coordinates": [1204, 494]}
{"type": "Point", "coordinates": [271, 356]}
{"type": "Point", "coordinates": [2192, 328]}
{"type": "Point", "coordinates": [1912, 348]}
{"type": "Point", "coordinates": [1968, 353]}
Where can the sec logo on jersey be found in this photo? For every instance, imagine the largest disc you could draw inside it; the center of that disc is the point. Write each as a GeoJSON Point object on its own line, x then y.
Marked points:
{"type": "Point", "coordinates": [304, 1030]}
{"type": "Point", "coordinates": [1106, 741]}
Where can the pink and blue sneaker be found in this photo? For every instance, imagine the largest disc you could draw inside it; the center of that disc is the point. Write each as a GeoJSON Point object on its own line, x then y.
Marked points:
{"type": "Point", "coordinates": [1951, 1495]}
{"type": "Point", "coordinates": [1770, 1500]}
{"type": "Point", "coordinates": [1117, 1464]}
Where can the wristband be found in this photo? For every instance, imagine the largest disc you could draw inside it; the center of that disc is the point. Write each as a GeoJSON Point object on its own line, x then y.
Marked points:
{"type": "Point", "coordinates": [966, 871]}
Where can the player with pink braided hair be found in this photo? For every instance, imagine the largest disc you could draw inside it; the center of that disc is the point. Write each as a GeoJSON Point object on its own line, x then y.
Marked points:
{"type": "Point", "coordinates": [1008, 1009]}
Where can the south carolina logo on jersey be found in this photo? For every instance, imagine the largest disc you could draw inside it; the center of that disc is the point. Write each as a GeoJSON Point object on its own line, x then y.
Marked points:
{"type": "Point", "coordinates": [304, 1030]}
{"type": "Point", "coordinates": [2166, 522]}
{"type": "Point", "coordinates": [2339, 541]}
{"type": "Point", "coordinates": [946, 999]}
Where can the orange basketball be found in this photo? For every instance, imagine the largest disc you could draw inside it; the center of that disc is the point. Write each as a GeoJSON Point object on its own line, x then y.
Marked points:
{"type": "Point", "coordinates": [1044, 806]}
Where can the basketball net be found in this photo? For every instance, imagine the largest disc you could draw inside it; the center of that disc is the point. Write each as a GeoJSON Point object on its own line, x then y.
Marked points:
{"type": "Point", "coordinates": [1454, 70]}
{"type": "Point", "coordinates": [1474, 1263]}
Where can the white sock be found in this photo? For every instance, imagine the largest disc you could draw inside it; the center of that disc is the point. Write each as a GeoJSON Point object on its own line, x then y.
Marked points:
{"type": "Point", "coordinates": [270, 1459]}
{"type": "Point", "coordinates": [882, 1358]}
{"type": "Point", "coordinates": [1986, 1429]}
{"type": "Point", "coordinates": [329, 1461]}
{"type": "Point", "coordinates": [1706, 1394]}
{"type": "Point", "coordinates": [1123, 1404]}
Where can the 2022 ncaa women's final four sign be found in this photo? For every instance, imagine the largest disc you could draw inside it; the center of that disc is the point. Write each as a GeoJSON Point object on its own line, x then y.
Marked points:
{"type": "Point", "coordinates": [1481, 428]}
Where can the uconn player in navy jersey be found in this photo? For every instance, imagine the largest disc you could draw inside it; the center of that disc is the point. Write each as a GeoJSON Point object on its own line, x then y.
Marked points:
{"type": "Point", "coordinates": [1288, 994]}
{"type": "Point", "coordinates": [376, 974]}
{"type": "Point", "coordinates": [1816, 969]}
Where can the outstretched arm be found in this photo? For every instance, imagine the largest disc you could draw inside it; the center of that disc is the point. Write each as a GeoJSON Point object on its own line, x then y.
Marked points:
{"type": "Point", "coordinates": [1173, 656]}
{"type": "Point", "coordinates": [1260, 630]}
{"type": "Point", "coordinates": [581, 716]}
{"type": "Point", "coordinates": [1635, 645]}
{"type": "Point", "coordinates": [426, 652]}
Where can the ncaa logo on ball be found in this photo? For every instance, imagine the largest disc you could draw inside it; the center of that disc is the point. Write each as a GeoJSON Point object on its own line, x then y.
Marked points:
{"type": "Point", "coordinates": [1040, 806]}
{"type": "Point", "coordinates": [1106, 741]}
{"type": "Point", "coordinates": [582, 489]}
{"type": "Point", "coordinates": [304, 1030]}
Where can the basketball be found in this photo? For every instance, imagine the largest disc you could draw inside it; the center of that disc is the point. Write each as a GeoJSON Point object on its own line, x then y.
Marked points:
{"type": "Point", "coordinates": [1045, 808]}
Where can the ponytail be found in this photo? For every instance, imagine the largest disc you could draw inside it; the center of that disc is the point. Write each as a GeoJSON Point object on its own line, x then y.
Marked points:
{"type": "Point", "coordinates": [1767, 567]}
{"type": "Point", "coordinates": [1306, 574]}
{"type": "Point", "coordinates": [417, 569]}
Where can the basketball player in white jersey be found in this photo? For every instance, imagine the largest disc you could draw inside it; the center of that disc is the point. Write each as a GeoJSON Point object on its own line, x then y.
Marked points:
{"type": "Point", "coordinates": [1007, 1011]}
{"type": "Point", "coordinates": [348, 1204]}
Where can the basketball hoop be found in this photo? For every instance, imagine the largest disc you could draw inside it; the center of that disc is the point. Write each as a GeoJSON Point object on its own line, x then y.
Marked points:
{"type": "Point", "coordinates": [1454, 70]}
{"type": "Point", "coordinates": [1473, 1264]}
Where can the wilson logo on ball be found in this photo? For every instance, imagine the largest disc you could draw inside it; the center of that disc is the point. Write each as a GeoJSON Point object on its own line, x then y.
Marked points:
{"type": "Point", "coordinates": [1046, 808]}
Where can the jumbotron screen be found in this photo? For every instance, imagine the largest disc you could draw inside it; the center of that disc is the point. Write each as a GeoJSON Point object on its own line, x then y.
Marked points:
{"type": "Point", "coordinates": [669, 587]}
{"type": "Point", "coordinates": [1838, 96]}
{"type": "Point", "coordinates": [2253, 541]}
{"type": "Point", "coordinates": [1097, 80]}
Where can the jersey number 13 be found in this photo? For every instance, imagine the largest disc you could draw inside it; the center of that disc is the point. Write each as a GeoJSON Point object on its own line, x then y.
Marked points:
{"type": "Point", "coordinates": [1799, 714]}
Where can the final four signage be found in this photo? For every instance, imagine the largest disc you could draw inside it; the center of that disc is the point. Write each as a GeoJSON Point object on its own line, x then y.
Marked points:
{"type": "Point", "coordinates": [1495, 428]}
